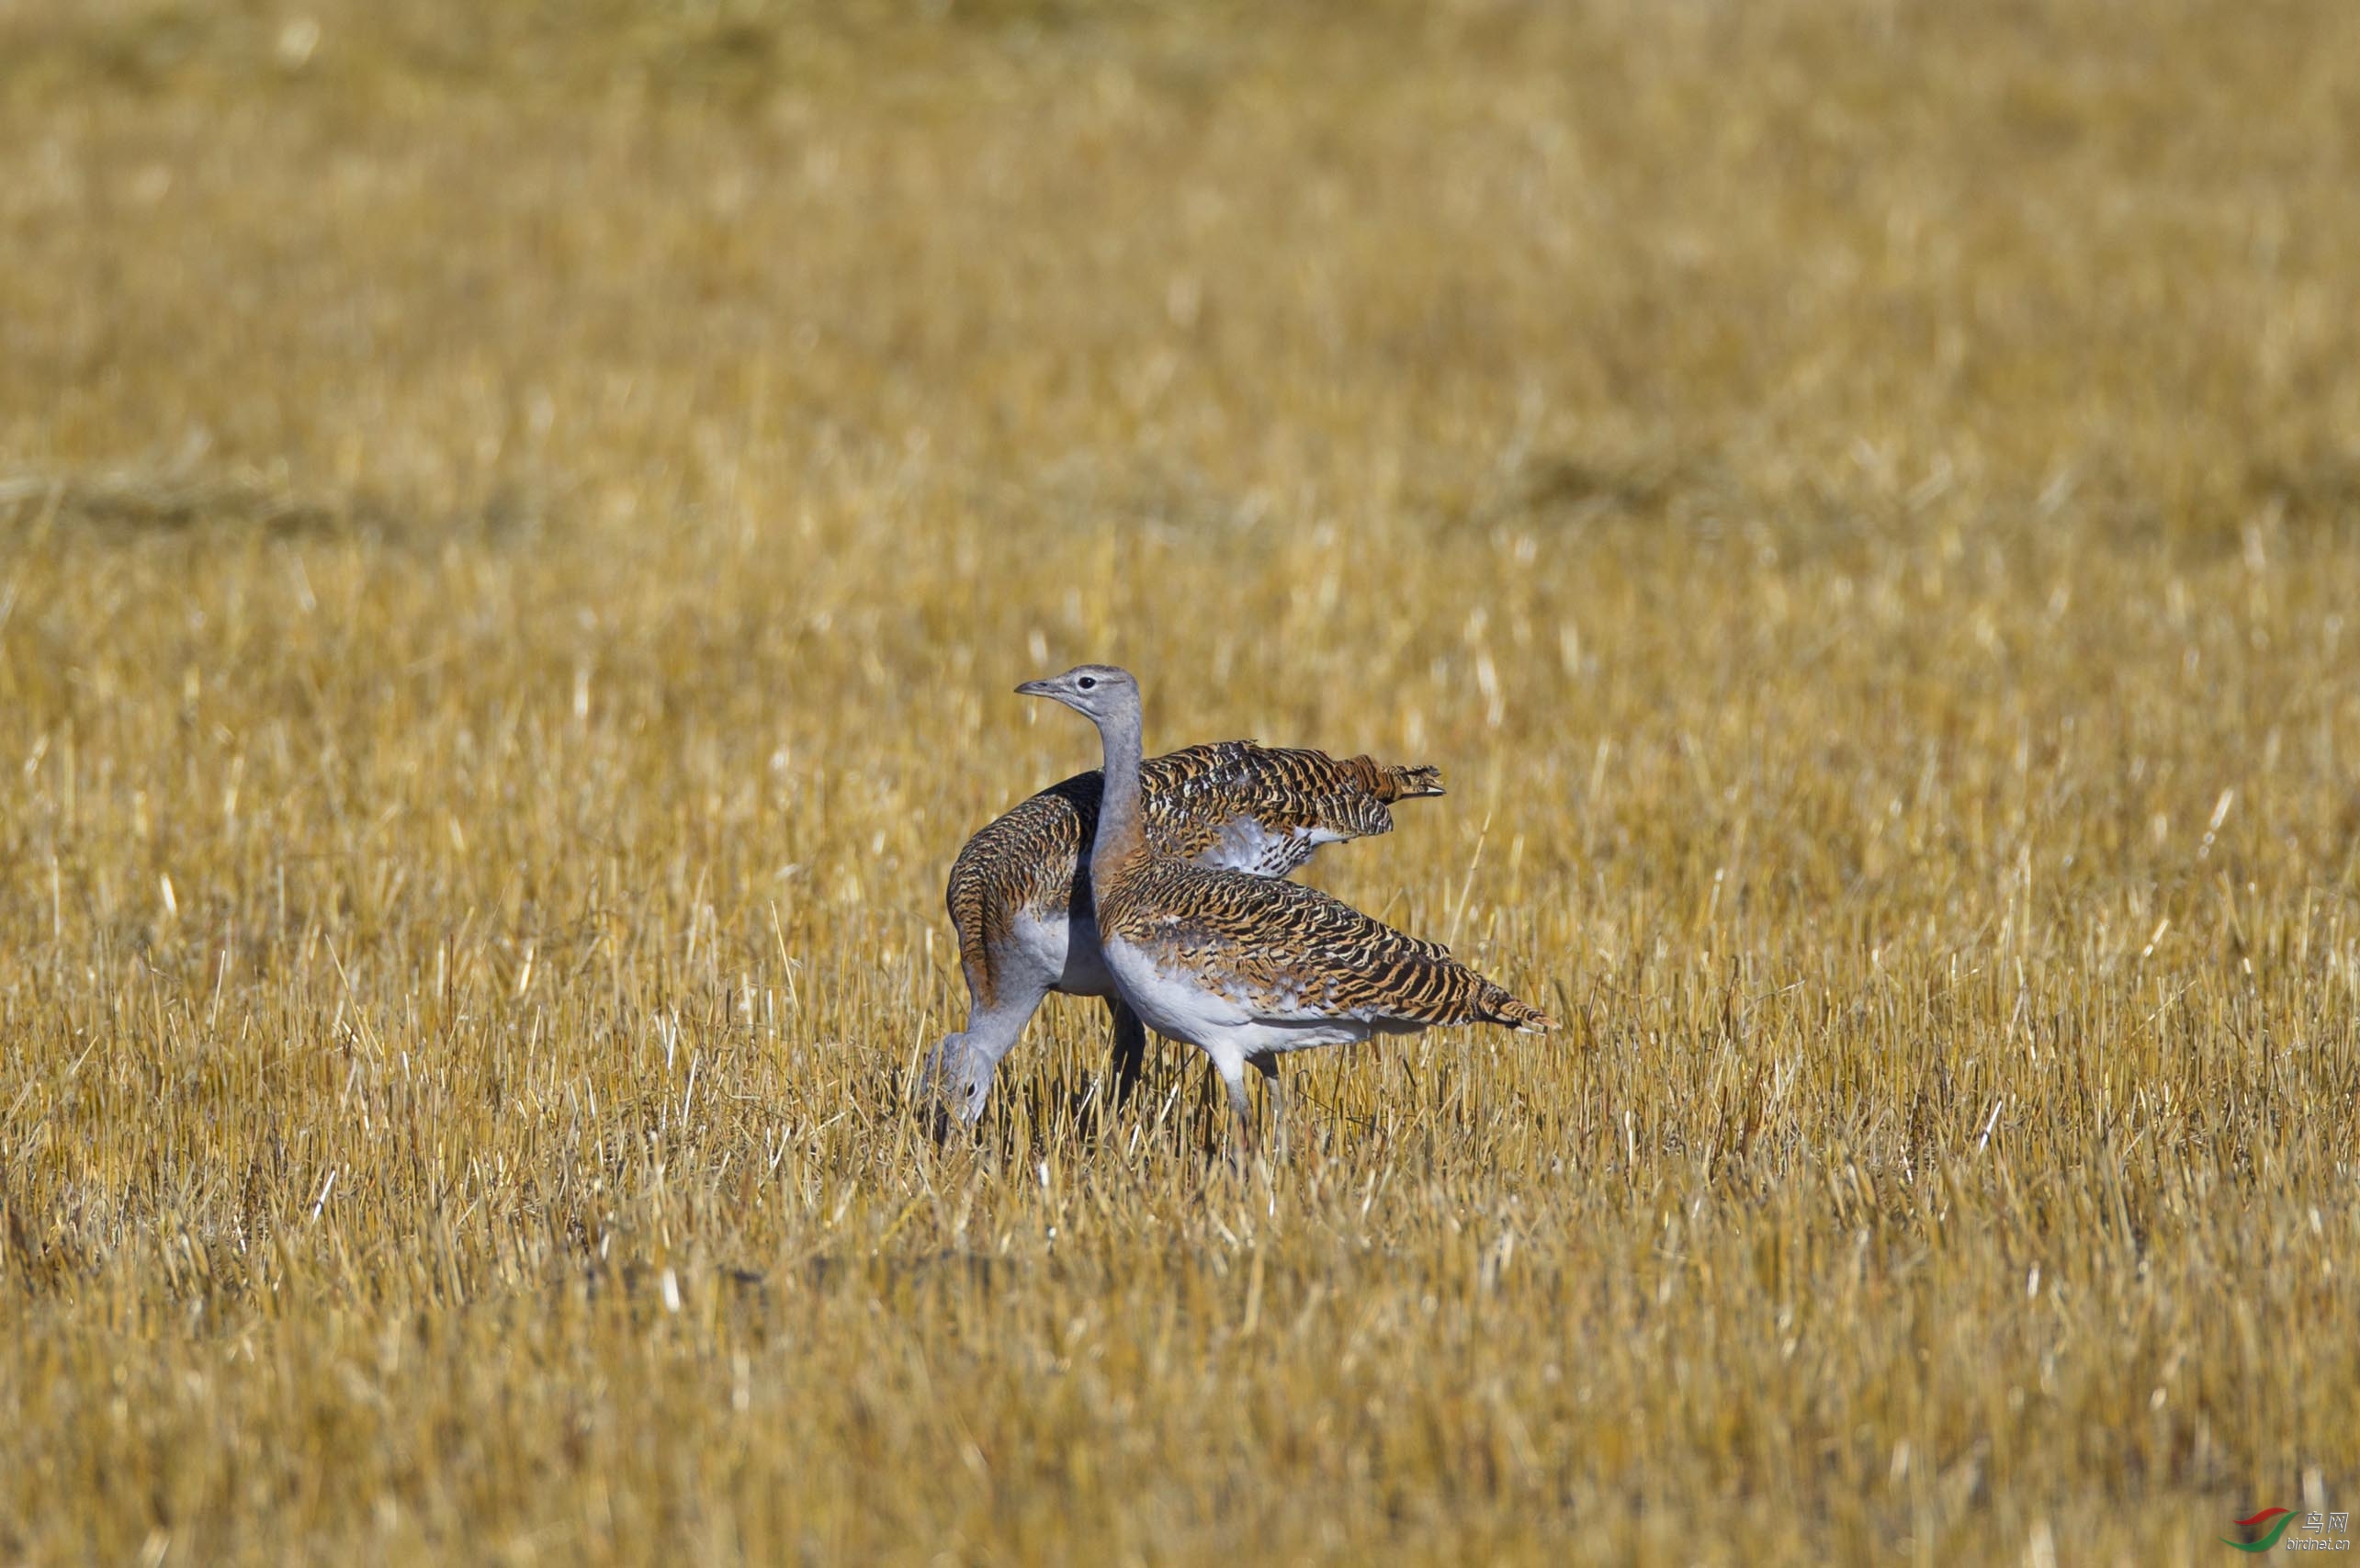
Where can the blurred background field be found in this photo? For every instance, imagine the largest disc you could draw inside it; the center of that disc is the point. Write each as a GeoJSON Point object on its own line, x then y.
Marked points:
{"type": "Point", "coordinates": [517, 525]}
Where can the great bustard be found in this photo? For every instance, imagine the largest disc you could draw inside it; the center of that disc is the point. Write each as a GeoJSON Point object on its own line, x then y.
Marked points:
{"type": "Point", "coordinates": [1020, 891]}
{"type": "Point", "coordinates": [1243, 967]}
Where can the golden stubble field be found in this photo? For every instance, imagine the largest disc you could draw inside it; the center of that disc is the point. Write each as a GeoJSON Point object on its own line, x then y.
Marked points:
{"type": "Point", "coordinates": [517, 525]}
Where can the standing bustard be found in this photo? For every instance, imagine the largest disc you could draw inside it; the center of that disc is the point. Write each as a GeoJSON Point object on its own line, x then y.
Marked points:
{"type": "Point", "coordinates": [1244, 967]}
{"type": "Point", "coordinates": [1020, 891]}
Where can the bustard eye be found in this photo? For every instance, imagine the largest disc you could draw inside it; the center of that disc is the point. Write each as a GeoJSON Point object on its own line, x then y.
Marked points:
{"type": "Point", "coordinates": [1087, 682]}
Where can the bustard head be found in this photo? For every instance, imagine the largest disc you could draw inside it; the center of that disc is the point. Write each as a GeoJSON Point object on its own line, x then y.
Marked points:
{"type": "Point", "coordinates": [1095, 690]}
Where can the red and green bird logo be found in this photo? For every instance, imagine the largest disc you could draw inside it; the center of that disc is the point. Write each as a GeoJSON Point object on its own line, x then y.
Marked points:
{"type": "Point", "coordinates": [2283, 1516]}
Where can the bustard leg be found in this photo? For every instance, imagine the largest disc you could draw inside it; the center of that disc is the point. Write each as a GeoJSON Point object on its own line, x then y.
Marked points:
{"type": "Point", "coordinates": [1130, 1048]}
{"type": "Point", "coordinates": [1232, 1078]}
{"type": "Point", "coordinates": [1267, 1064]}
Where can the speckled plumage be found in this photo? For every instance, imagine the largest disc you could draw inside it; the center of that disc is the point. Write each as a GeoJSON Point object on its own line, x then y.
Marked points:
{"type": "Point", "coordinates": [1290, 954]}
{"type": "Point", "coordinates": [1287, 801]}
{"type": "Point", "coordinates": [1020, 895]}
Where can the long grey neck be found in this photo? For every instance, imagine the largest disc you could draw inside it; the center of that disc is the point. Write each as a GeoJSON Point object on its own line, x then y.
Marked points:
{"type": "Point", "coordinates": [1119, 831]}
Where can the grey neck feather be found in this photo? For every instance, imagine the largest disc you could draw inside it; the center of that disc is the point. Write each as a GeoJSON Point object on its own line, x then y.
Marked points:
{"type": "Point", "coordinates": [1118, 808]}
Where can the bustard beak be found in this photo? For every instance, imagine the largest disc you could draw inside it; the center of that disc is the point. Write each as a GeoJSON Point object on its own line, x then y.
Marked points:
{"type": "Point", "coordinates": [1037, 689]}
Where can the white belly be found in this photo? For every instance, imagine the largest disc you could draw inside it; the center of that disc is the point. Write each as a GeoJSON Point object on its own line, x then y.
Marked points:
{"type": "Point", "coordinates": [1171, 1002]}
{"type": "Point", "coordinates": [1064, 948]}
{"type": "Point", "coordinates": [1177, 1005]}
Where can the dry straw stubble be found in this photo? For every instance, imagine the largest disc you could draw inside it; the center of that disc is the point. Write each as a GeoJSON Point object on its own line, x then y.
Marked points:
{"type": "Point", "coordinates": [514, 538]}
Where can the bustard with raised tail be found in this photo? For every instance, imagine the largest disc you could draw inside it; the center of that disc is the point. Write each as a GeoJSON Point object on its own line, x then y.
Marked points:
{"type": "Point", "coordinates": [1020, 893]}
{"type": "Point", "coordinates": [1247, 968]}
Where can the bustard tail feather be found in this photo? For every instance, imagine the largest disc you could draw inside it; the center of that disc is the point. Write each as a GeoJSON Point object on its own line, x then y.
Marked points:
{"type": "Point", "coordinates": [1408, 780]}
{"type": "Point", "coordinates": [1502, 1008]}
